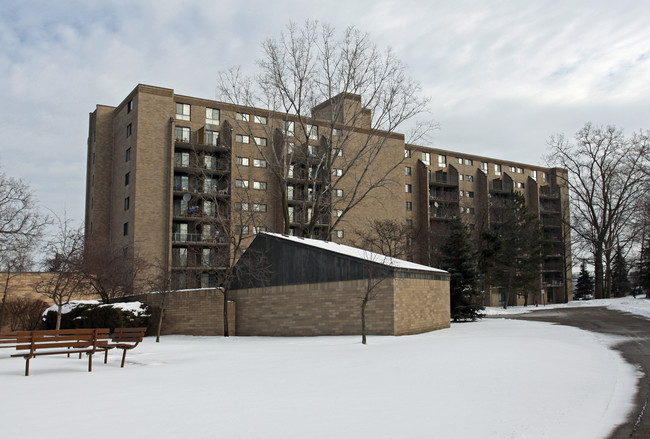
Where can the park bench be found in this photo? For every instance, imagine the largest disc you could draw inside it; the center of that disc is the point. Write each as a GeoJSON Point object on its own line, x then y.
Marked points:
{"type": "Point", "coordinates": [8, 339]}
{"type": "Point", "coordinates": [63, 341]}
{"type": "Point", "coordinates": [125, 339]}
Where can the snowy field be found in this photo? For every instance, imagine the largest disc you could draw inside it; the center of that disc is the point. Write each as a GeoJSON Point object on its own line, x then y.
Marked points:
{"type": "Point", "coordinates": [494, 378]}
{"type": "Point", "coordinates": [639, 306]}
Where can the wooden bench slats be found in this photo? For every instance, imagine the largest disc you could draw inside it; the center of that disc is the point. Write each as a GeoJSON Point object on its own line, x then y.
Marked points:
{"type": "Point", "coordinates": [125, 339]}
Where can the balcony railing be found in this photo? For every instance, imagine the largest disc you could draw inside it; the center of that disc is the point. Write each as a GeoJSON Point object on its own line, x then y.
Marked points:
{"type": "Point", "coordinates": [549, 192]}
{"type": "Point", "coordinates": [443, 196]}
{"type": "Point", "coordinates": [443, 179]}
{"type": "Point", "coordinates": [500, 186]}
{"type": "Point", "coordinates": [197, 237]}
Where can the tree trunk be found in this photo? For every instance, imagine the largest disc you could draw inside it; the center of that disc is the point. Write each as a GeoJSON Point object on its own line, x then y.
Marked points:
{"type": "Point", "coordinates": [59, 311]}
{"type": "Point", "coordinates": [363, 320]}
{"type": "Point", "coordinates": [598, 273]}
{"type": "Point", "coordinates": [225, 314]}
{"type": "Point", "coordinates": [4, 300]}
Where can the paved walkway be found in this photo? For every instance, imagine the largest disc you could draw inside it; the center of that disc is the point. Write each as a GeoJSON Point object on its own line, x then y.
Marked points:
{"type": "Point", "coordinates": [636, 351]}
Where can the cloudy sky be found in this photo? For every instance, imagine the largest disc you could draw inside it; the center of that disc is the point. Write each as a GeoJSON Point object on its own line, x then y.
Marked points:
{"type": "Point", "coordinates": [503, 76]}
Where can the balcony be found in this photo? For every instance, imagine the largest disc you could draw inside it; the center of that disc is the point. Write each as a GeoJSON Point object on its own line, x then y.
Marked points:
{"type": "Point", "coordinates": [443, 179]}
{"type": "Point", "coordinates": [443, 196]}
{"type": "Point", "coordinates": [180, 237]}
{"type": "Point", "coordinates": [500, 186]}
{"type": "Point", "coordinates": [549, 192]}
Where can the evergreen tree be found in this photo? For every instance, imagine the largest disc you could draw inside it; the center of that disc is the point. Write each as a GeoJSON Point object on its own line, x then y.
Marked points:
{"type": "Point", "coordinates": [521, 252]}
{"type": "Point", "coordinates": [585, 284]}
{"type": "Point", "coordinates": [459, 260]}
{"type": "Point", "coordinates": [620, 281]}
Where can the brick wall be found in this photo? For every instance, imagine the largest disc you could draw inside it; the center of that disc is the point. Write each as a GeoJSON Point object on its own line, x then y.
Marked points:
{"type": "Point", "coordinates": [192, 312]}
{"type": "Point", "coordinates": [332, 308]}
{"type": "Point", "coordinates": [421, 305]}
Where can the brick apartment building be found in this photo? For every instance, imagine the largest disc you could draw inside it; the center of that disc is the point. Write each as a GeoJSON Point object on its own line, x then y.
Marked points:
{"type": "Point", "coordinates": [172, 178]}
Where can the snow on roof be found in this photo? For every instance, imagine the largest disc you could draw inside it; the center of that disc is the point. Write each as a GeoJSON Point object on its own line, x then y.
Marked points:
{"type": "Point", "coordinates": [356, 253]}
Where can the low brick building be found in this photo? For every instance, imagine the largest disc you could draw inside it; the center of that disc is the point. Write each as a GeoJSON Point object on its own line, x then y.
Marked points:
{"type": "Point", "coordinates": [315, 287]}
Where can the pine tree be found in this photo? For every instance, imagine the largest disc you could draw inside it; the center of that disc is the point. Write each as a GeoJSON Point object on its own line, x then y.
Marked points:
{"type": "Point", "coordinates": [584, 285]}
{"type": "Point", "coordinates": [459, 260]}
{"type": "Point", "coordinates": [620, 281]}
{"type": "Point", "coordinates": [520, 254]}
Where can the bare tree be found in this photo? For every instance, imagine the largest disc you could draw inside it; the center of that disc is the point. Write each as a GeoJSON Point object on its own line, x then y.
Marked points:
{"type": "Point", "coordinates": [321, 144]}
{"type": "Point", "coordinates": [25, 314]}
{"type": "Point", "coordinates": [387, 237]}
{"type": "Point", "coordinates": [111, 273]}
{"type": "Point", "coordinates": [605, 175]}
{"type": "Point", "coordinates": [21, 227]}
{"type": "Point", "coordinates": [377, 272]}
{"type": "Point", "coordinates": [162, 284]}
{"type": "Point", "coordinates": [65, 252]}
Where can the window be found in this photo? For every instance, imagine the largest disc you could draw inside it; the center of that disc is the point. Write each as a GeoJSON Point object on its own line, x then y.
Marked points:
{"type": "Point", "coordinates": [259, 207]}
{"type": "Point", "coordinates": [127, 155]}
{"type": "Point", "coordinates": [241, 230]}
{"type": "Point", "coordinates": [241, 183]}
{"type": "Point", "coordinates": [470, 178]}
{"type": "Point", "coordinates": [312, 132]}
{"type": "Point", "coordinates": [484, 167]}
{"type": "Point", "coordinates": [336, 132]}
{"type": "Point", "coordinates": [520, 170]}
{"type": "Point", "coordinates": [126, 203]}
{"type": "Point", "coordinates": [338, 233]}
{"type": "Point", "coordinates": [210, 185]}
{"type": "Point", "coordinates": [409, 224]}
{"type": "Point", "coordinates": [545, 177]}
{"type": "Point", "coordinates": [129, 106]}
{"type": "Point", "coordinates": [459, 160]}
{"type": "Point", "coordinates": [426, 158]}
{"type": "Point", "coordinates": [512, 169]}
{"type": "Point", "coordinates": [260, 119]}
{"type": "Point", "coordinates": [242, 161]}
{"type": "Point", "coordinates": [182, 159]}
{"type": "Point", "coordinates": [462, 193]}
{"type": "Point", "coordinates": [259, 163]}
{"type": "Point", "coordinates": [469, 162]}
{"type": "Point", "coordinates": [409, 205]}
{"type": "Point", "coordinates": [129, 130]}
{"type": "Point", "coordinates": [442, 161]}
{"type": "Point", "coordinates": [469, 210]}
{"type": "Point", "coordinates": [179, 257]}
{"type": "Point", "coordinates": [181, 183]}
{"type": "Point", "coordinates": [407, 153]}
{"type": "Point", "coordinates": [520, 185]}
{"type": "Point", "coordinates": [409, 241]}
{"type": "Point", "coordinates": [211, 162]}
{"type": "Point", "coordinates": [125, 230]}
{"type": "Point", "coordinates": [242, 139]}
{"type": "Point", "coordinates": [290, 147]}
{"type": "Point", "coordinates": [338, 212]}
{"type": "Point", "coordinates": [497, 169]}
{"type": "Point", "coordinates": [290, 171]}
{"type": "Point", "coordinates": [408, 188]}
{"type": "Point", "coordinates": [243, 117]}
{"type": "Point", "coordinates": [407, 170]}
{"type": "Point", "coordinates": [289, 128]}
{"type": "Point", "coordinates": [182, 134]}
{"type": "Point", "coordinates": [127, 178]}
{"type": "Point", "coordinates": [259, 185]}
{"type": "Point", "coordinates": [533, 174]}
{"type": "Point", "coordinates": [212, 116]}
{"type": "Point", "coordinates": [338, 192]}
{"type": "Point", "coordinates": [337, 172]}
{"type": "Point", "coordinates": [182, 111]}
{"type": "Point", "coordinates": [212, 138]}
{"type": "Point", "coordinates": [241, 207]}
{"type": "Point", "coordinates": [259, 229]}
{"type": "Point", "coordinates": [205, 257]}
{"type": "Point", "coordinates": [260, 141]}
{"type": "Point", "coordinates": [469, 194]}
{"type": "Point", "coordinates": [337, 152]}
{"type": "Point", "coordinates": [460, 177]}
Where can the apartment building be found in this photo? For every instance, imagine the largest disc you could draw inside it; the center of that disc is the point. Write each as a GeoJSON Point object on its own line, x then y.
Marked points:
{"type": "Point", "coordinates": [175, 178]}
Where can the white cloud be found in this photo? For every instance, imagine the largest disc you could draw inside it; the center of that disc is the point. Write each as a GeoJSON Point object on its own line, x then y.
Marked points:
{"type": "Point", "coordinates": [502, 76]}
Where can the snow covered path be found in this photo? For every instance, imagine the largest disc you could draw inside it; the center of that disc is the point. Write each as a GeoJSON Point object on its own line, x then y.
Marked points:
{"type": "Point", "coordinates": [490, 379]}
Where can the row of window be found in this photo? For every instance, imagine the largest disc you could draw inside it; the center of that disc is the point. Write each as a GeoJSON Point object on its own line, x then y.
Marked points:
{"type": "Point", "coordinates": [241, 138]}
{"type": "Point", "coordinates": [246, 207]}
{"type": "Point", "coordinates": [245, 161]}
{"type": "Point", "coordinates": [257, 185]}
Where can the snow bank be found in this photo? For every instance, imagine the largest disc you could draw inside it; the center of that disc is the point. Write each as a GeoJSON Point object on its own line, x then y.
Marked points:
{"type": "Point", "coordinates": [495, 378]}
{"type": "Point", "coordinates": [640, 306]}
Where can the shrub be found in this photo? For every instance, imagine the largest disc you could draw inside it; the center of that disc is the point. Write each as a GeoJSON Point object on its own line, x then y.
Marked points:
{"type": "Point", "coordinates": [25, 313]}
{"type": "Point", "coordinates": [94, 315]}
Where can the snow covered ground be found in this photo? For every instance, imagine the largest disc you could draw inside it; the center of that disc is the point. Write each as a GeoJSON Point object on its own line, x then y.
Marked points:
{"type": "Point", "coordinates": [494, 378]}
{"type": "Point", "coordinates": [639, 306]}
